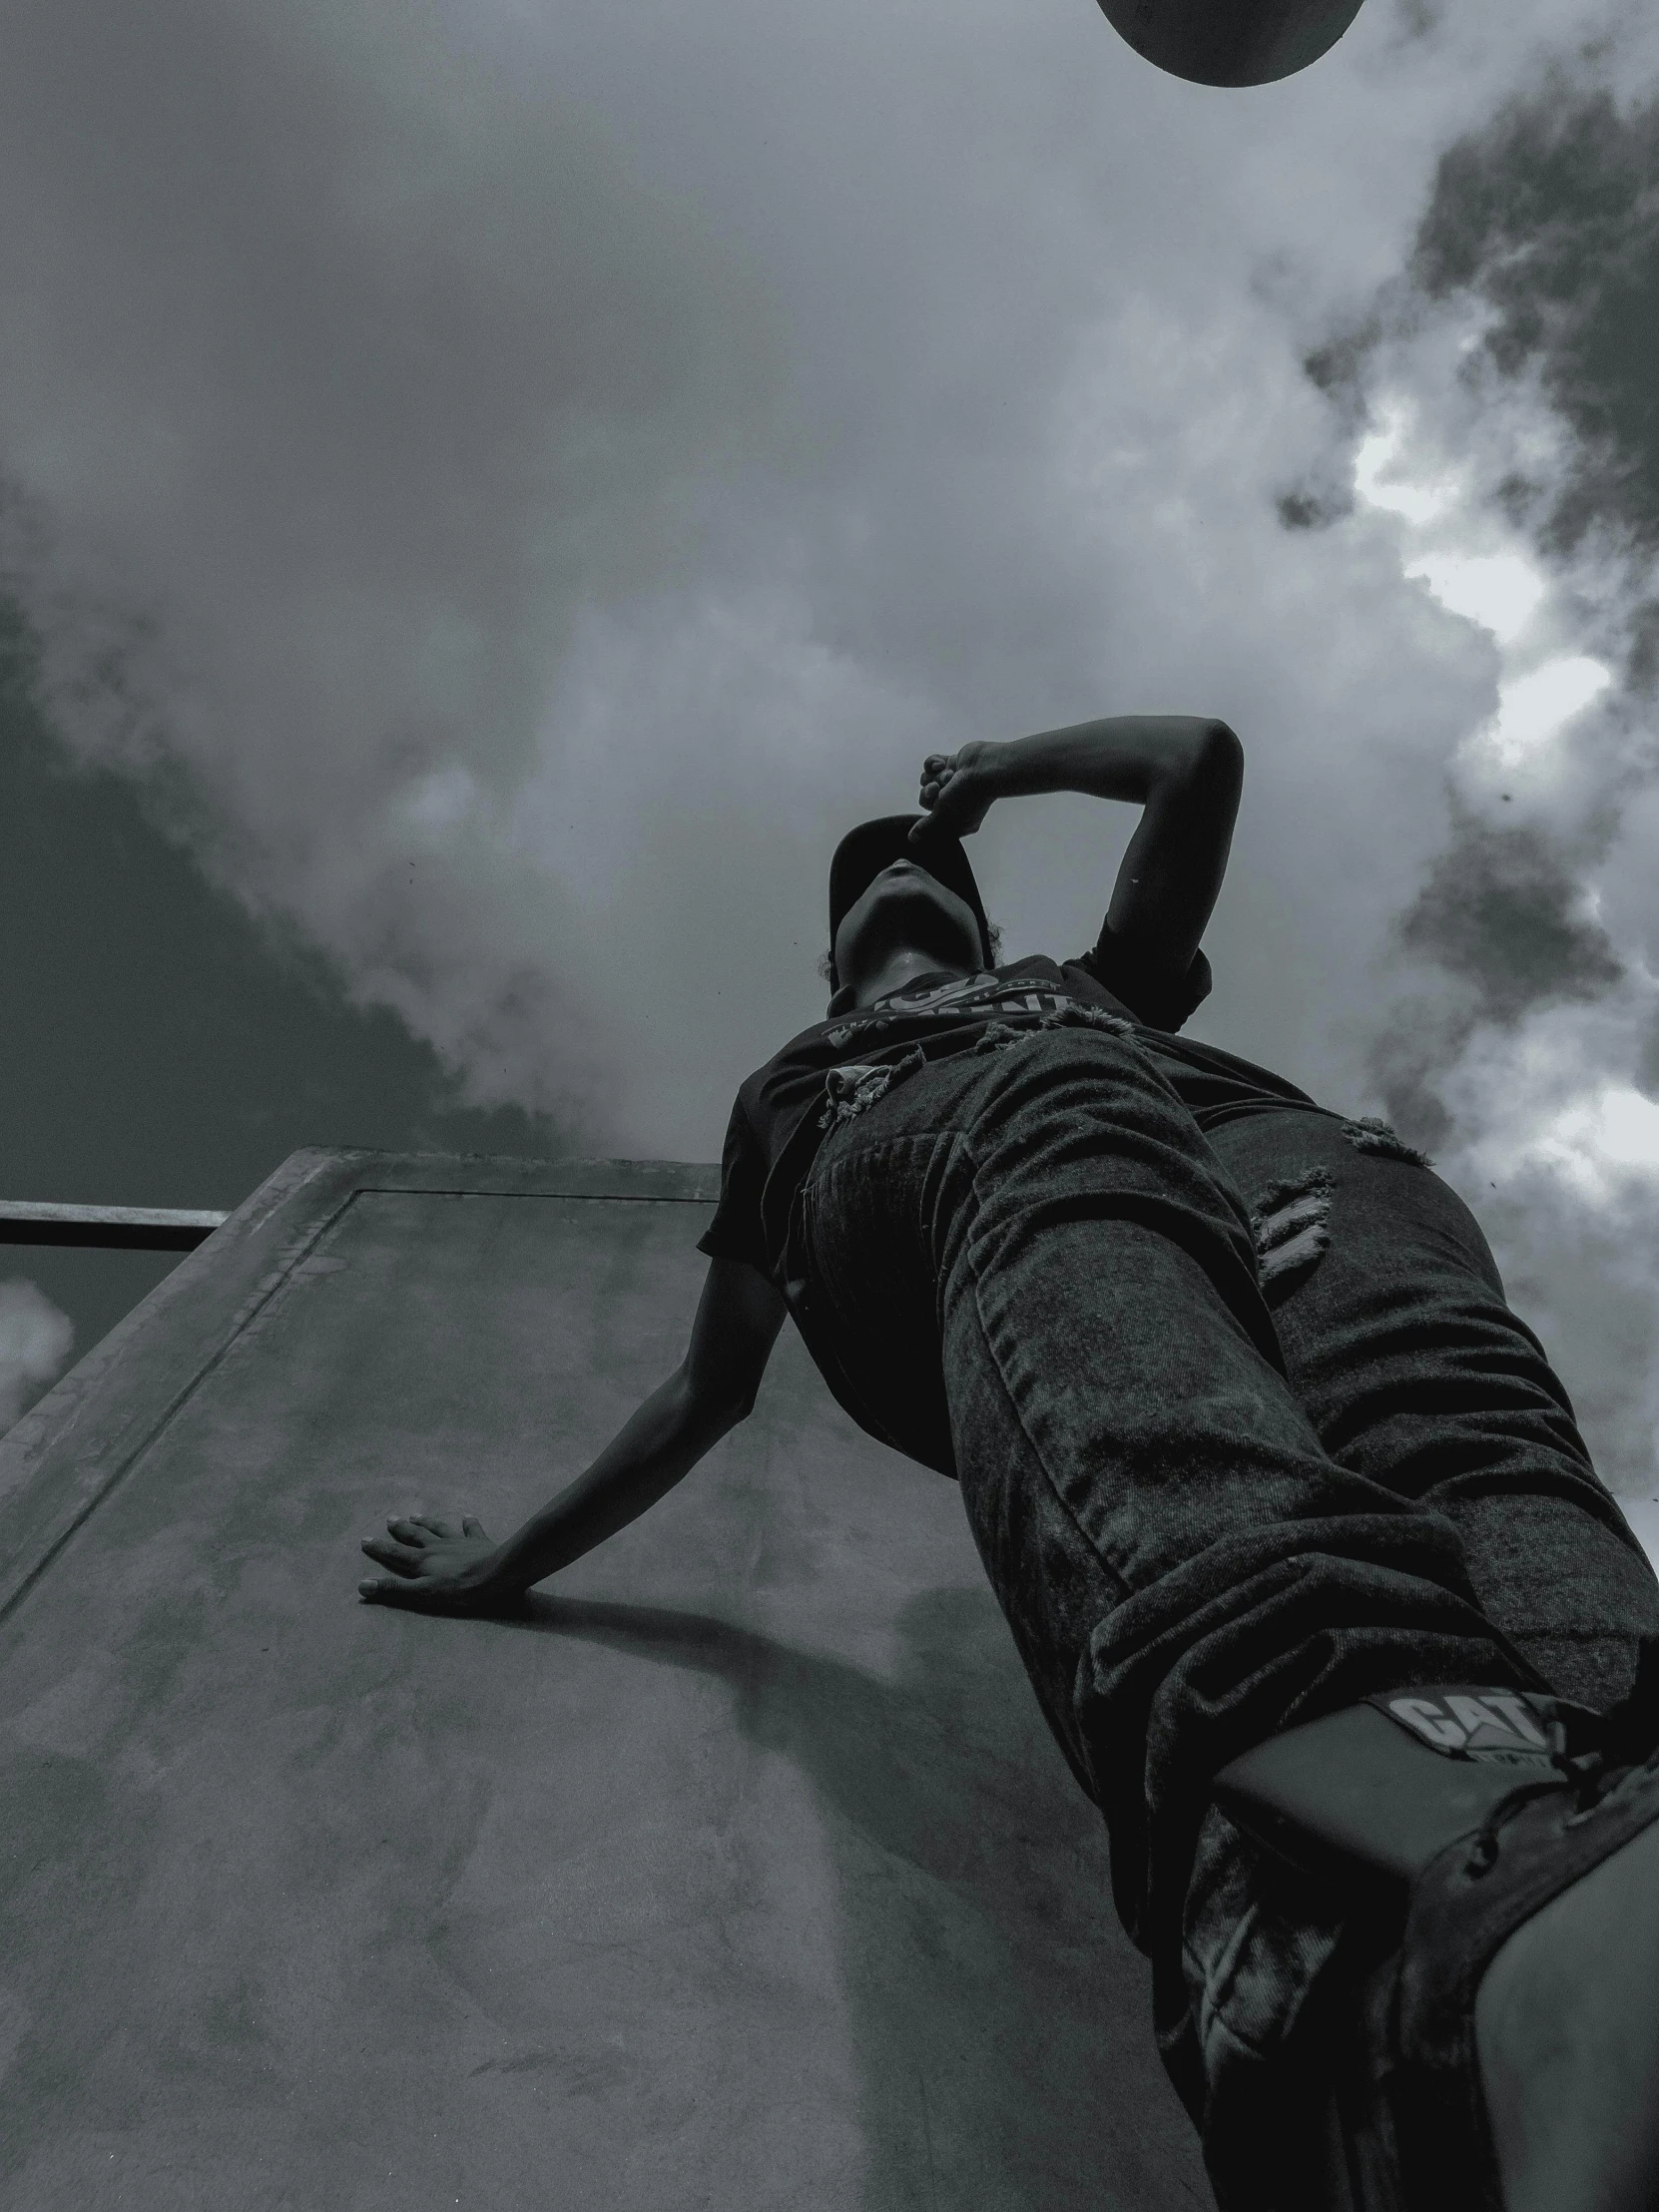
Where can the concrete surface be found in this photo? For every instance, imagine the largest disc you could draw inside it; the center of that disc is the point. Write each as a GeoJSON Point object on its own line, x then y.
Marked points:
{"type": "Point", "coordinates": [743, 1875]}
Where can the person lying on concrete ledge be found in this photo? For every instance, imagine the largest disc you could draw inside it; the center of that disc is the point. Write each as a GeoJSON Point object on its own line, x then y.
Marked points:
{"type": "Point", "coordinates": [1314, 1580]}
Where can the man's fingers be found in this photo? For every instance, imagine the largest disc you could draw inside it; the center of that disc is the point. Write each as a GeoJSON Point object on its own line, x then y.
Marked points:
{"type": "Point", "coordinates": [401, 1558]}
{"type": "Point", "coordinates": [410, 1531]}
{"type": "Point", "coordinates": [444, 1528]}
{"type": "Point", "coordinates": [384, 1592]}
{"type": "Point", "coordinates": [406, 1594]}
{"type": "Point", "coordinates": [413, 1597]}
{"type": "Point", "coordinates": [471, 1525]}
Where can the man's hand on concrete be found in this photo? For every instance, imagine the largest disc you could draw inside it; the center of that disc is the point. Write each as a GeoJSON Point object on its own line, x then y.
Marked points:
{"type": "Point", "coordinates": [436, 1568]}
{"type": "Point", "coordinates": [957, 790]}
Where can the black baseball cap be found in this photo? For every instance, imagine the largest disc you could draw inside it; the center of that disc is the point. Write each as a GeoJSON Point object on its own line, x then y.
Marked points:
{"type": "Point", "coordinates": [864, 852]}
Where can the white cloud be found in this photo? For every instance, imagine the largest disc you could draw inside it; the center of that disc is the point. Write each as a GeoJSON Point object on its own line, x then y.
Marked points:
{"type": "Point", "coordinates": [34, 1344]}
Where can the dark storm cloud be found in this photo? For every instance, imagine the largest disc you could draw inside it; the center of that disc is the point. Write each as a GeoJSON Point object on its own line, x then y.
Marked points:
{"type": "Point", "coordinates": [1501, 911]}
{"type": "Point", "coordinates": [1550, 216]}
{"type": "Point", "coordinates": [1500, 915]}
{"type": "Point", "coordinates": [1546, 217]}
{"type": "Point", "coordinates": [1504, 373]}
{"type": "Point", "coordinates": [1541, 231]}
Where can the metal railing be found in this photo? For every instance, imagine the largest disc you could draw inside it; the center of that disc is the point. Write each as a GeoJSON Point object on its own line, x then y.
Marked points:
{"type": "Point", "coordinates": [110, 1228]}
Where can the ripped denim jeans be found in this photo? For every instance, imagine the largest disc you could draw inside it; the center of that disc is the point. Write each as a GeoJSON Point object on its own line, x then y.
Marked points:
{"type": "Point", "coordinates": [1244, 1431]}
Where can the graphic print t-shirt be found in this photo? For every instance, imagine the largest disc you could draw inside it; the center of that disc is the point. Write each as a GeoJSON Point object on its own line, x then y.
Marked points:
{"type": "Point", "coordinates": [783, 1109]}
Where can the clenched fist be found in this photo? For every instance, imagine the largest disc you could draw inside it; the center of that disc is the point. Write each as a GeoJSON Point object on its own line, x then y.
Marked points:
{"type": "Point", "coordinates": [957, 789]}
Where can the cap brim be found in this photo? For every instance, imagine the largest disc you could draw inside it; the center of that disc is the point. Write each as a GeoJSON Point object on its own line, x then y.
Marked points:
{"type": "Point", "coordinates": [865, 850]}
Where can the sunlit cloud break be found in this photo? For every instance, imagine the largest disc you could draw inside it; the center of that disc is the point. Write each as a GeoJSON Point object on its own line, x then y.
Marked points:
{"type": "Point", "coordinates": [1499, 591]}
{"type": "Point", "coordinates": [1536, 707]}
{"type": "Point", "coordinates": [1447, 539]}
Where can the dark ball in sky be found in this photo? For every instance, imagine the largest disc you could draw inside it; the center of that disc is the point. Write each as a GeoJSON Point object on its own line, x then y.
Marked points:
{"type": "Point", "coordinates": [1230, 42]}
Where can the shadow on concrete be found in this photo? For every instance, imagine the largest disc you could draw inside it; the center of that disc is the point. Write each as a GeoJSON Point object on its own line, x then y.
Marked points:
{"type": "Point", "coordinates": [1021, 2030]}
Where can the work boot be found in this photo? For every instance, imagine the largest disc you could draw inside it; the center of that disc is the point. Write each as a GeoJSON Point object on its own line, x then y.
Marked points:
{"type": "Point", "coordinates": [1500, 2048]}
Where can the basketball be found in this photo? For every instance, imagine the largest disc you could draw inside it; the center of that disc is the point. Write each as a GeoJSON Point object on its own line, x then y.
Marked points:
{"type": "Point", "coordinates": [1230, 42]}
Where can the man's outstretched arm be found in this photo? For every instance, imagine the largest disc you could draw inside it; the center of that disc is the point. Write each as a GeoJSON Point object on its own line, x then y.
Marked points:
{"type": "Point", "coordinates": [1184, 770]}
{"type": "Point", "coordinates": [444, 1566]}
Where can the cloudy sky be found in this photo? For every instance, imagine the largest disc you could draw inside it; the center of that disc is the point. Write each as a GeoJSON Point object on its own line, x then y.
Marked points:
{"type": "Point", "coordinates": [489, 487]}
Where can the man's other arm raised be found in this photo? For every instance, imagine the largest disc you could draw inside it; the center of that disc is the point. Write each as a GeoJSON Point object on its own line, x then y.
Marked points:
{"type": "Point", "coordinates": [1185, 771]}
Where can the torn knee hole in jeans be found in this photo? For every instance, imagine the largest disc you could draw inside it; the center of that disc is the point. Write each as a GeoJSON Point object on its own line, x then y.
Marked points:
{"type": "Point", "coordinates": [853, 1087]}
{"type": "Point", "coordinates": [1366, 1133]}
{"type": "Point", "coordinates": [1292, 1224]}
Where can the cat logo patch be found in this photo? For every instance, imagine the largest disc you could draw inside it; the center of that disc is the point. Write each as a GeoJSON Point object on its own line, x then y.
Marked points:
{"type": "Point", "coordinates": [1467, 1721]}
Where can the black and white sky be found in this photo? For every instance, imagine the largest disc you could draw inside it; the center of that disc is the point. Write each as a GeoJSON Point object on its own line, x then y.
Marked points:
{"type": "Point", "coordinates": [488, 489]}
